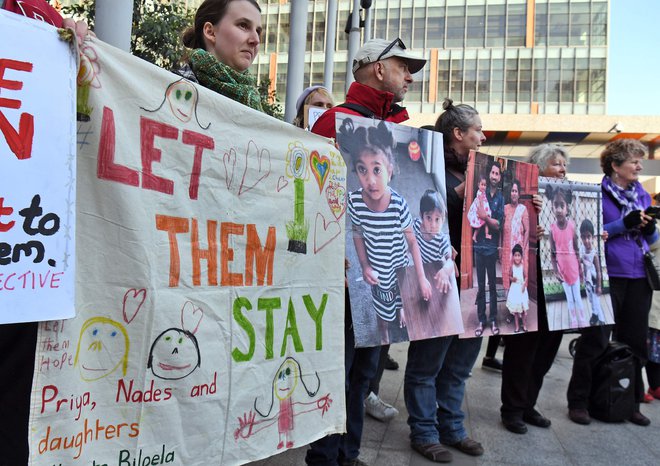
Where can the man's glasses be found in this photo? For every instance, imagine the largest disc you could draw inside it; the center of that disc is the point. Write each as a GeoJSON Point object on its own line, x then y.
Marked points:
{"type": "Point", "coordinates": [396, 41]}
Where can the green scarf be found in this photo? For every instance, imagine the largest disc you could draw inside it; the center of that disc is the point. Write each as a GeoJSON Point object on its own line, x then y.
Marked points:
{"type": "Point", "coordinates": [223, 79]}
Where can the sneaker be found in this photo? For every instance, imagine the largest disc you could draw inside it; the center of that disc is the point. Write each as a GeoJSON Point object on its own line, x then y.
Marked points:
{"type": "Point", "coordinates": [655, 392]}
{"type": "Point", "coordinates": [493, 364]}
{"type": "Point", "coordinates": [391, 364]}
{"type": "Point", "coordinates": [579, 416]}
{"type": "Point", "coordinates": [378, 409]}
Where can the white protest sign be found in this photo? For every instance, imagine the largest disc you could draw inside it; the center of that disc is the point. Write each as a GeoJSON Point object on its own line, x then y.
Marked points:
{"type": "Point", "coordinates": [37, 172]}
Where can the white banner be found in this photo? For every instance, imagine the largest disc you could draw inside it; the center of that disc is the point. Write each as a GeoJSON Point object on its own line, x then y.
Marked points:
{"type": "Point", "coordinates": [210, 281]}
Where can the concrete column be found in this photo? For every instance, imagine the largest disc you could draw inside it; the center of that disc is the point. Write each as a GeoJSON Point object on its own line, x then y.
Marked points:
{"type": "Point", "coordinates": [353, 43]}
{"type": "Point", "coordinates": [296, 67]}
{"type": "Point", "coordinates": [113, 22]}
{"type": "Point", "coordinates": [330, 37]}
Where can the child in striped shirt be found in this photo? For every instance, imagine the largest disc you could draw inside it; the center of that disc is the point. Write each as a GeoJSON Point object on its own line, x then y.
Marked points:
{"type": "Point", "coordinates": [382, 226]}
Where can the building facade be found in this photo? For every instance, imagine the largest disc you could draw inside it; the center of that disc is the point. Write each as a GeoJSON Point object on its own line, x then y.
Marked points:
{"type": "Point", "coordinates": [500, 56]}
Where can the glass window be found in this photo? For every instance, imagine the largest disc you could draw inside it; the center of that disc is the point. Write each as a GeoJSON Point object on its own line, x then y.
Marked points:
{"type": "Point", "coordinates": [393, 23]}
{"type": "Point", "coordinates": [284, 29]}
{"type": "Point", "coordinates": [414, 93]}
{"type": "Point", "coordinates": [339, 80]}
{"type": "Point", "coordinates": [495, 26]}
{"type": "Point", "coordinates": [476, 26]}
{"type": "Point", "coordinates": [406, 26]}
{"type": "Point", "coordinates": [380, 23]}
{"type": "Point", "coordinates": [558, 24]}
{"type": "Point", "coordinates": [443, 78]}
{"type": "Point", "coordinates": [342, 37]}
{"type": "Point", "coordinates": [319, 32]}
{"type": "Point", "coordinates": [419, 24]}
{"type": "Point", "coordinates": [541, 24]}
{"type": "Point", "coordinates": [516, 26]}
{"type": "Point", "coordinates": [455, 26]}
{"type": "Point", "coordinates": [580, 19]}
{"type": "Point", "coordinates": [435, 29]}
{"type": "Point", "coordinates": [280, 86]}
{"type": "Point", "coordinates": [456, 79]}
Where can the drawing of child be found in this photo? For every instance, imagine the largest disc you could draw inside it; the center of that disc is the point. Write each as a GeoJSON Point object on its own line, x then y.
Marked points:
{"type": "Point", "coordinates": [433, 243]}
{"type": "Point", "coordinates": [591, 271]}
{"type": "Point", "coordinates": [564, 252]}
{"type": "Point", "coordinates": [479, 200]}
{"type": "Point", "coordinates": [382, 225]}
{"type": "Point", "coordinates": [517, 301]}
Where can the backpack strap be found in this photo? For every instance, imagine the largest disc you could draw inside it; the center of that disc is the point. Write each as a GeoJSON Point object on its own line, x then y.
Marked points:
{"type": "Point", "coordinates": [362, 110]}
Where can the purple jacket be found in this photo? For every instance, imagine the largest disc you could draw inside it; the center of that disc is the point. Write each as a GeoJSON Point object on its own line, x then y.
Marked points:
{"type": "Point", "coordinates": [622, 253]}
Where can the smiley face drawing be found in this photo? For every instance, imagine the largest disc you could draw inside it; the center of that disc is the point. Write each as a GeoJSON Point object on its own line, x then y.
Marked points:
{"type": "Point", "coordinates": [286, 379]}
{"type": "Point", "coordinates": [182, 98]}
{"type": "Point", "coordinates": [174, 354]}
{"type": "Point", "coordinates": [102, 348]}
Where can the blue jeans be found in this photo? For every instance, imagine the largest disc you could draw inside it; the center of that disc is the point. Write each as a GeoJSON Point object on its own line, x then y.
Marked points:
{"type": "Point", "coordinates": [434, 387]}
{"type": "Point", "coordinates": [361, 365]}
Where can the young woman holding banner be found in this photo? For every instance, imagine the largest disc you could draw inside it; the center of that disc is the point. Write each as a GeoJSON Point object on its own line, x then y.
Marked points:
{"type": "Point", "coordinates": [224, 39]}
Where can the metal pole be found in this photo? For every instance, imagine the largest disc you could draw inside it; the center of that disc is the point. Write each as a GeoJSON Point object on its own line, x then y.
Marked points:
{"type": "Point", "coordinates": [113, 22]}
{"type": "Point", "coordinates": [330, 37]}
{"type": "Point", "coordinates": [296, 67]}
{"type": "Point", "coordinates": [367, 24]}
{"type": "Point", "coordinates": [353, 43]}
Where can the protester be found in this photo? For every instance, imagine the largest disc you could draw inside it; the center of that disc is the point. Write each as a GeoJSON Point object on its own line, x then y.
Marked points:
{"type": "Point", "coordinates": [314, 96]}
{"type": "Point", "coordinates": [434, 383]}
{"type": "Point", "coordinates": [383, 71]}
{"type": "Point", "coordinates": [529, 356]}
{"type": "Point", "coordinates": [225, 39]}
{"type": "Point", "coordinates": [630, 230]}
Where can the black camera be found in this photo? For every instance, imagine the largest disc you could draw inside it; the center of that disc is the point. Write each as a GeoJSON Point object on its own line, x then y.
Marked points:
{"type": "Point", "coordinates": [653, 211]}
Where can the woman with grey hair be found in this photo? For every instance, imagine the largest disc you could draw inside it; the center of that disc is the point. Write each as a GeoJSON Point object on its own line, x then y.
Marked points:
{"type": "Point", "coordinates": [529, 356]}
{"type": "Point", "coordinates": [630, 231]}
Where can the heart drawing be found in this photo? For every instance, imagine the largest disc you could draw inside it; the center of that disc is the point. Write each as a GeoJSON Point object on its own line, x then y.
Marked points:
{"type": "Point", "coordinates": [229, 160]}
{"type": "Point", "coordinates": [133, 301]}
{"type": "Point", "coordinates": [335, 194]}
{"type": "Point", "coordinates": [252, 175]}
{"type": "Point", "coordinates": [282, 183]}
{"type": "Point", "coordinates": [320, 168]}
{"type": "Point", "coordinates": [324, 232]}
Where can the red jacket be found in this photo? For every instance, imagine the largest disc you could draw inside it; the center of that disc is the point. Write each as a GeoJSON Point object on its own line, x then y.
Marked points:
{"type": "Point", "coordinates": [379, 102]}
{"type": "Point", "coordinates": [35, 9]}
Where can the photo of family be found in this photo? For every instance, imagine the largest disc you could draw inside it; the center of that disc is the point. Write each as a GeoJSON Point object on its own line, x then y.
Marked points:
{"type": "Point", "coordinates": [498, 247]}
{"type": "Point", "coordinates": [575, 280]}
{"type": "Point", "coordinates": [401, 273]}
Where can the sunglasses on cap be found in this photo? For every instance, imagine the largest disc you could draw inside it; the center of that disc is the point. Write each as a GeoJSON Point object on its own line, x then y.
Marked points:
{"type": "Point", "coordinates": [396, 41]}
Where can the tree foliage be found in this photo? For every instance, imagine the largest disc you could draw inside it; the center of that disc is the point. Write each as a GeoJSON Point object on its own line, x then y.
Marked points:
{"type": "Point", "coordinates": [156, 37]}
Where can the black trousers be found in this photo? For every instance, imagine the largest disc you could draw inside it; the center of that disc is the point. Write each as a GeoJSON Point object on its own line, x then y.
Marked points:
{"type": "Point", "coordinates": [631, 300]}
{"type": "Point", "coordinates": [527, 358]}
{"type": "Point", "coordinates": [18, 343]}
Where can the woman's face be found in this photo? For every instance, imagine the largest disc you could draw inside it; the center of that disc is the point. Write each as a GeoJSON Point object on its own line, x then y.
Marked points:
{"type": "Point", "coordinates": [629, 170]}
{"type": "Point", "coordinates": [235, 39]}
{"type": "Point", "coordinates": [556, 168]}
{"type": "Point", "coordinates": [320, 99]}
{"type": "Point", "coordinates": [471, 139]}
{"type": "Point", "coordinates": [515, 194]}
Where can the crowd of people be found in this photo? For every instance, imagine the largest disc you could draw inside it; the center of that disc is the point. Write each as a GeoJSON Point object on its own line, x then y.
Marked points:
{"type": "Point", "coordinates": [222, 44]}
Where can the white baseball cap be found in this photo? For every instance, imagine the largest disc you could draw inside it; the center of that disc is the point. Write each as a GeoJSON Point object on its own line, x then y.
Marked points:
{"type": "Point", "coordinates": [380, 49]}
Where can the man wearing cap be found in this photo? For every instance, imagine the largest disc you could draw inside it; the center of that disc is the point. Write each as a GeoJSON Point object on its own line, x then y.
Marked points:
{"type": "Point", "coordinates": [383, 71]}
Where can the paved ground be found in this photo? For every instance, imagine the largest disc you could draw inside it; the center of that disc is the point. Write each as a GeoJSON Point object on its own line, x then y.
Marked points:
{"type": "Point", "coordinates": [565, 443]}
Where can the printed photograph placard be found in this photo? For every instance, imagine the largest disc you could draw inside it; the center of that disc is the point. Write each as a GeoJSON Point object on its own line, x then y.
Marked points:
{"type": "Point", "coordinates": [401, 273]}
{"type": "Point", "coordinates": [498, 247]}
{"type": "Point", "coordinates": [575, 280]}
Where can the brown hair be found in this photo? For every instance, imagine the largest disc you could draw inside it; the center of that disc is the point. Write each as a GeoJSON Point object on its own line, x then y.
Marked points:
{"type": "Point", "coordinates": [210, 11]}
{"type": "Point", "coordinates": [619, 151]}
